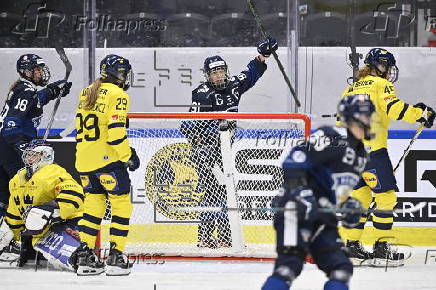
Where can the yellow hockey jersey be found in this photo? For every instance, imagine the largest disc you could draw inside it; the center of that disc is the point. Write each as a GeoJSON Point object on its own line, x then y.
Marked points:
{"type": "Point", "coordinates": [101, 132]}
{"type": "Point", "coordinates": [51, 182]}
{"type": "Point", "coordinates": [387, 105]}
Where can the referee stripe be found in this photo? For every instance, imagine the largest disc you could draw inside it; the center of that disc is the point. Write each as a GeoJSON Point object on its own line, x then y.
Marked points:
{"type": "Point", "coordinates": [117, 141]}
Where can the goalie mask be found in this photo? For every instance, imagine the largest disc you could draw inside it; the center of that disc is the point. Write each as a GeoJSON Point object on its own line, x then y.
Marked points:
{"type": "Point", "coordinates": [36, 155]}
{"type": "Point", "coordinates": [31, 67]}
{"type": "Point", "coordinates": [216, 72]}
{"type": "Point", "coordinates": [358, 109]}
{"type": "Point", "coordinates": [117, 70]}
{"type": "Point", "coordinates": [384, 64]}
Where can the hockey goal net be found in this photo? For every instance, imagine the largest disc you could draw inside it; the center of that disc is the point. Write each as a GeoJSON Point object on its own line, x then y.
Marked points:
{"type": "Point", "coordinates": [191, 162]}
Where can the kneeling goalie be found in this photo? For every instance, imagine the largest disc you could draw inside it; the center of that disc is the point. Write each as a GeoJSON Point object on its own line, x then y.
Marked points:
{"type": "Point", "coordinates": [44, 207]}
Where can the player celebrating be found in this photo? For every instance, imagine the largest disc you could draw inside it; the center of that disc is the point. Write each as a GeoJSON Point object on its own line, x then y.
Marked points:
{"type": "Point", "coordinates": [45, 205]}
{"type": "Point", "coordinates": [22, 114]}
{"type": "Point", "coordinates": [375, 80]}
{"type": "Point", "coordinates": [219, 93]}
{"type": "Point", "coordinates": [319, 174]}
{"type": "Point", "coordinates": [102, 155]}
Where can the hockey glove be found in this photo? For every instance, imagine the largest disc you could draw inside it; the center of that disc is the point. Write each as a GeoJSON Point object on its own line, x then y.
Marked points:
{"type": "Point", "coordinates": [267, 47]}
{"type": "Point", "coordinates": [428, 115]}
{"type": "Point", "coordinates": [133, 163]}
{"type": "Point", "coordinates": [37, 218]}
{"type": "Point", "coordinates": [59, 88]}
{"type": "Point", "coordinates": [351, 219]}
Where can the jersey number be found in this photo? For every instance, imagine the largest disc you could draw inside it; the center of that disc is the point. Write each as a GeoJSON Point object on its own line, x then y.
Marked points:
{"type": "Point", "coordinates": [90, 123]}
{"type": "Point", "coordinates": [21, 105]}
{"type": "Point", "coordinates": [122, 104]}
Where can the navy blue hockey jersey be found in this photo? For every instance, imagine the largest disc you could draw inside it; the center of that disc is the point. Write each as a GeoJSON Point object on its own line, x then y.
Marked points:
{"type": "Point", "coordinates": [331, 162]}
{"type": "Point", "coordinates": [227, 99]}
{"type": "Point", "coordinates": [22, 112]}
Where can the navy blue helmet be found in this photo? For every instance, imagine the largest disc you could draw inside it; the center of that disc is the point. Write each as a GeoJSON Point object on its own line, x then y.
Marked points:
{"type": "Point", "coordinates": [358, 109]}
{"type": "Point", "coordinates": [116, 69]}
{"type": "Point", "coordinates": [213, 65]}
{"type": "Point", "coordinates": [380, 56]}
{"type": "Point", "coordinates": [26, 65]}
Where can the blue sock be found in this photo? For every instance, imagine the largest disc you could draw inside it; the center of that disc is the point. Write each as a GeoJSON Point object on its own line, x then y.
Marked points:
{"type": "Point", "coordinates": [335, 285]}
{"type": "Point", "coordinates": [274, 283]}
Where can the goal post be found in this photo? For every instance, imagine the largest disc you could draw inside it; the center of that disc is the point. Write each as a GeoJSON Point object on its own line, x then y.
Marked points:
{"type": "Point", "coordinates": [206, 160]}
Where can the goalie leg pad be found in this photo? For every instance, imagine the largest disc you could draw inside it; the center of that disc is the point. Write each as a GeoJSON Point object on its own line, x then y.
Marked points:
{"type": "Point", "coordinates": [58, 247]}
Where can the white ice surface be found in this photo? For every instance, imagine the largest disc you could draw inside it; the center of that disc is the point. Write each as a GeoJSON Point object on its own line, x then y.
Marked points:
{"type": "Point", "coordinates": [416, 274]}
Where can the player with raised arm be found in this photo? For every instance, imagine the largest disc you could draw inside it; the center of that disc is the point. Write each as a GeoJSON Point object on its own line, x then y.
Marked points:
{"type": "Point", "coordinates": [320, 174]}
{"type": "Point", "coordinates": [375, 79]}
{"type": "Point", "coordinates": [103, 155]}
{"type": "Point", "coordinates": [44, 208]}
{"type": "Point", "coordinates": [220, 93]}
{"type": "Point", "coordinates": [21, 115]}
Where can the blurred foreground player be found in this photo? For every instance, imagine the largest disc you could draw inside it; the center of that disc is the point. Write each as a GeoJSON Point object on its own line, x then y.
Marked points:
{"type": "Point", "coordinates": [21, 115]}
{"type": "Point", "coordinates": [103, 155]}
{"type": "Point", "coordinates": [320, 174]}
{"type": "Point", "coordinates": [375, 80]}
{"type": "Point", "coordinates": [220, 93]}
{"type": "Point", "coordinates": [44, 208]}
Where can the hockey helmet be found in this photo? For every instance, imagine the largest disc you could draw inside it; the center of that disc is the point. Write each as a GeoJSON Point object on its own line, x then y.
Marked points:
{"type": "Point", "coordinates": [28, 62]}
{"type": "Point", "coordinates": [380, 56]}
{"type": "Point", "coordinates": [216, 66]}
{"type": "Point", "coordinates": [37, 154]}
{"type": "Point", "coordinates": [359, 109]}
{"type": "Point", "coordinates": [116, 69]}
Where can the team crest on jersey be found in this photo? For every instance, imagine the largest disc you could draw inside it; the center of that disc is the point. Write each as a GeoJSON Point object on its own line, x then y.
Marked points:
{"type": "Point", "coordinates": [108, 181]}
{"type": "Point", "coordinates": [172, 181]}
{"type": "Point", "coordinates": [371, 179]}
{"type": "Point", "coordinates": [85, 181]}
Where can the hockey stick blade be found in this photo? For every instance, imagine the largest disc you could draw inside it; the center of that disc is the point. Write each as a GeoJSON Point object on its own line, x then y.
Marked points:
{"type": "Point", "coordinates": [68, 68]}
{"type": "Point", "coordinates": [276, 57]}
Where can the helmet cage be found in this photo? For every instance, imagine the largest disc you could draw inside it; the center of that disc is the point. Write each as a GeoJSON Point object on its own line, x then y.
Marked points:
{"type": "Point", "coordinates": [36, 157]}
{"type": "Point", "coordinates": [220, 84]}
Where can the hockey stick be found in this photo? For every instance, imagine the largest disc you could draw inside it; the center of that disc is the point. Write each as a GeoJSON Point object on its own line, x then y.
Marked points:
{"type": "Point", "coordinates": [332, 210]}
{"type": "Point", "coordinates": [279, 63]}
{"type": "Point", "coordinates": [68, 68]}
{"type": "Point", "coordinates": [406, 152]}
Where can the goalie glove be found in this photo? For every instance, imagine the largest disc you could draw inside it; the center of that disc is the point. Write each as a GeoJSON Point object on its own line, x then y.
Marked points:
{"type": "Point", "coordinates": [133, 163]}
{"type": "Point", "coordinates": [428, 115]}
{"type": "Point", "coordinates": [37, 218]}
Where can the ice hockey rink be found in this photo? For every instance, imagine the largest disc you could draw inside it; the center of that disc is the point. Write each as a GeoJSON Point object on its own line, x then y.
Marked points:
{"type": "Point", "coordinates": [418, 273]}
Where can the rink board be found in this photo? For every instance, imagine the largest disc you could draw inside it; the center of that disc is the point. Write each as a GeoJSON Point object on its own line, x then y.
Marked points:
{"type": "Point", "coordinates": [416, 184]}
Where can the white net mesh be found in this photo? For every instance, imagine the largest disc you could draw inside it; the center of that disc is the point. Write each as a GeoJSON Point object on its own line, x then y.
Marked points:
{"type": "Point", "coordinates": [233, 163]}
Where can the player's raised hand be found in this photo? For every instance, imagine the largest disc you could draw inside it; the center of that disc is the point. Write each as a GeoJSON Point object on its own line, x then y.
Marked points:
{"type": "Point", "coordinates": [428, 115]}
{"type": "Point", "coordinates": [59, 88]}
{"type": "Point", "coordinates": [266, 47]}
